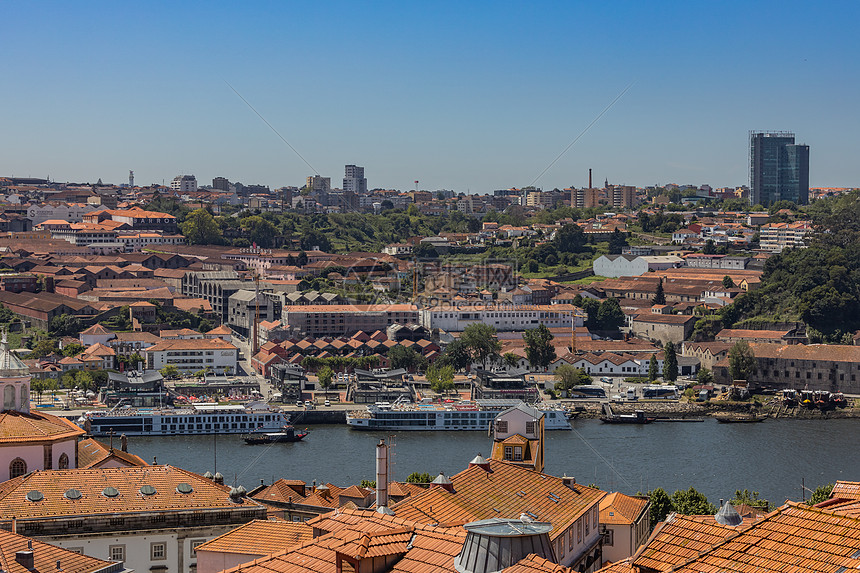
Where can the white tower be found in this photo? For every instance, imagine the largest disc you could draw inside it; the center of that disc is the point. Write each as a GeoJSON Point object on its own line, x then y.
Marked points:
{"type": "Point", "coordinates": [14, 380]}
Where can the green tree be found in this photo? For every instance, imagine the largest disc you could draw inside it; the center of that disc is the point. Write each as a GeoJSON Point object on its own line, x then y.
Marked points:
{"type": "Point", "coordinates": [821, 493]}
{"type": "Point", "coordinates": [728, 282]}
{"type": "Point", "coordinates": [456, 354]}
{"type": "Point", "coordinates": [539, 349]}
{"type": "Point", "coordinates": [591, 308]}
{"type": "Point", "coordinates": [750, 498]}
{"type": "Point", "coordinates": [653, 368]}
{"type": "Point", "coordinates": [570, 239]}
{"type": "Point", "coordinates": [609, 314]}
{"type": "Point", "coordinates": [659, 295]}
{"type": "Point", "coordinates": [419, 478]}
{"type": "Point", "coordinates": [441, 378]}
{"type": "Point", "coordinates": [661, 505]}
{"type": "Point", "coordinates": [200, 228]}
{"type": "Point", "coordinates": [38, 386]}
{"type": "Point", "coordinates": [710, 247]}
{"type": "Point", "coordinates": [567, 377]}
{"type": "Point", "coordinates": [691, 502]}
{"type": "Point", "coordinates": [260, 231]}
{"type": "Point", "coordinates": [325, 375]}
{"type": "Point", "coordinates": [617, 242]}
{"type": "Point", "coordinates": [44, 348]}
{"type": "Point", "coordinates": [481, 341]}
{"type": "Point", "coordinates": [169, 372]}
{"type": "Point", "coordinates": [510, 359]}
{"type": "Point", "coordinates": [742, 362]}
{"type": "Point", "coordinates": [403, 357]}
{"type": "Point", "coordinates": [65, 325]}
{"type": "Point", "coordinates": [73, 349]}
{"type": "Point", "coordinates": [704, 376]}
{"type": "Point", "coordinates": [670, 363]}
{"type": "Point", "coordinates": [367, 484]}
{"type": "Point", "coordinates": [84, 380]}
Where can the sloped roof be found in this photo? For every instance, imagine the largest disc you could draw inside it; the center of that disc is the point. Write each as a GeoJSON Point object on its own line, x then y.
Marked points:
{"type": "Point", "coordinates": [92, 453]}
{"type": "Point", "coordinates": [17, 427]}
{"type": "Point", "coordinates": [260, 537]}
{"type": "Point", "coordinates": [46, 557]}
{"type": "Point", "coordinates": [91, 483]}
{"type": "Point", "coordinates": [510, 491]}
{"type": "Point", "coordinates": [617, 508]}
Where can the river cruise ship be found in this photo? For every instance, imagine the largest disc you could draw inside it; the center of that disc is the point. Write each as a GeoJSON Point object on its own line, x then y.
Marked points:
{"type": "Point", "coordinates": [475, 415]}
{"type": "Point", "coordinates": [191, 420]}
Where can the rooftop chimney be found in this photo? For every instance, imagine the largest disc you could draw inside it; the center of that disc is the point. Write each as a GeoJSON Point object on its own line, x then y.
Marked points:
{"type": "Point", "coordinates": [443, 481]}
{"type": "Point", "coordinates": [124, 441]}
{"type": "Point", "coordinates": [481, 462]}
{"type": "Point", "coordinates": [381, 474]}
{"type": "Point", "coordinates": [25, 559]}
{"type": "Point", "coordinates": [589, 177]}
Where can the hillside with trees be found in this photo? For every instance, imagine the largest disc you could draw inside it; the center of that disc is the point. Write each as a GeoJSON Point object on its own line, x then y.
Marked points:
{"type": "Point", "coordinates": [818, 285]}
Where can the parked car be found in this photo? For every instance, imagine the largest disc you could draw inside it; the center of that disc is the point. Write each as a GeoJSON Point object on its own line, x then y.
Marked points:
{"type": "Point", "coordinates": [327, 403]}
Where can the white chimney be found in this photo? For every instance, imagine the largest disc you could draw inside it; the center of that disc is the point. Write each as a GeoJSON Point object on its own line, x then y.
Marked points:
{"type": "Point", "coordinates": [381, 474]}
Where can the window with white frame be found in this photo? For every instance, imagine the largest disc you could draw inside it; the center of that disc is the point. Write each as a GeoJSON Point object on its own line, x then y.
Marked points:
{"type": "Point", "coordinates": [116, 552]}
{"type": "Point", "coordinates": [157, 551]}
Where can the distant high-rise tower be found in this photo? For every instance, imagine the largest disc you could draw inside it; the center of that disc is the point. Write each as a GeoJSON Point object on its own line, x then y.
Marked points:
{"type": "Point", "coordinates": [354, 180]}
{"type": "Point", "coordinates": [184, 184]}
{"type": "Point", "coordinates": [779, 169]}
{"type": "Point", "coordinates": [130, 178]}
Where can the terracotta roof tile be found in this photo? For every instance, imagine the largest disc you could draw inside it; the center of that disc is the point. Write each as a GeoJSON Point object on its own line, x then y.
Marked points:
{"type": "Point", "coordinates": [846, 490]}
{"type": "Point", "coordinates": [127, 481]}
{"type": "Point", "coordinates": [35, 427]}
{"type": "Point", "coordinates": [532, 563]}
{"type": "Point", "coordinates": [260, 537]}
{"type": "Point", "coordinates": [507, 490]}
{"type": "Point", "coordinates": [617, 508]}
{"type": "Point", "coordinates": [46, 557]}
{"type": "Point", "coordinates": [92, 453]}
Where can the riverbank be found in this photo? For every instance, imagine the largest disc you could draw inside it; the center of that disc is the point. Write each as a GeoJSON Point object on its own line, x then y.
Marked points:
{"type": "Point", "coordinates": [673, 409]}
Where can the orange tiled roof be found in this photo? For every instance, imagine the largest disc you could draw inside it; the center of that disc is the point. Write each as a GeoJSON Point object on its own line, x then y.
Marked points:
{"type": "Point", "coordinates": [617, 508]}
{"type": "Point", "coordinates": [846, 490]}
{"type": "Point", "coordinates": [532, 563]}
{"type": "Point", "coordinates": [16, 427]}
{"type": "Point", "coordinates": [46, 557]}
{"type": "Point", "coordinates": [260, 537]}
{"type": "Point", "coordinates": [92, 453]}
{"type": "Point", "coordinates": [795, 538]}
{"type": "Point", "coordinates": [508, 491]}
{"type": "Point", "coordinates": [678, 538]}
{"type": "Point", "coordinates": [127, 481]}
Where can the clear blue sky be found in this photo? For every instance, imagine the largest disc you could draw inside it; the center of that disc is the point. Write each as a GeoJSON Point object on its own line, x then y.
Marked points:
{"type": "Point", "coordinates": [470, 96]}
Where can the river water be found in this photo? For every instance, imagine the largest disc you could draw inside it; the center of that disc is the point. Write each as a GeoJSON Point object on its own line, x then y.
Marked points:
{"type": "Point", "coordinates": [773, 458]}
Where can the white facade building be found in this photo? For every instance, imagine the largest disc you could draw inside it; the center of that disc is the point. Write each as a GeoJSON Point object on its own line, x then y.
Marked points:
{"type": "Point", "coordinates": [452, 317]}
{"type": "Point", "coordinates": [354, 180]}
{"type": "Point", "coordinates": [69, 212]}
{"type": "Point", "coordinates": [192, 355]}
{"type": "Point", "coordinates": [184, 184]}
{"type": "Point", "coordinates": [614, 266]}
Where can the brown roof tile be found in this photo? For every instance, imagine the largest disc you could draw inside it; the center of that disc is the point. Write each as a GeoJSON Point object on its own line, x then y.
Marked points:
{"type": "Point", "coordinates": [260, 537]}
{"type": "Point", "coordinates": [16, 427]}
{"type": "Point", "coordinates": [46, 557]}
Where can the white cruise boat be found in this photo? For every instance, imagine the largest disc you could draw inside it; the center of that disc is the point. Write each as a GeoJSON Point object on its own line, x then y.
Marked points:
{"type": "Point", "coordinates": [191, 420]}
{"type": "Point", "coordinates": [474, 415]}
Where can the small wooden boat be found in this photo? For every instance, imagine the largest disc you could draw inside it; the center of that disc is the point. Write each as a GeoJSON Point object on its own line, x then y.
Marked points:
{"type": "Point", "coordinates": [286, 435]}
{"type": "Point", "coordinates": [740, 418]}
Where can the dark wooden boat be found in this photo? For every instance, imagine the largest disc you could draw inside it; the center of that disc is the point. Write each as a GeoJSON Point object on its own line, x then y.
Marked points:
{"type": "Point", "coordinates": [286, 435]}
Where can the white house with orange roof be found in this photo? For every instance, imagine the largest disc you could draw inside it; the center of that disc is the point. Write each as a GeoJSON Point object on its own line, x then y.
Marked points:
{"type": "Point", "coordinates": [625, 522]}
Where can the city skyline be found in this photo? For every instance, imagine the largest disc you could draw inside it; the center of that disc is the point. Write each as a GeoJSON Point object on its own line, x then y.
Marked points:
{"type": "Point", "coordinates": [470, 98]}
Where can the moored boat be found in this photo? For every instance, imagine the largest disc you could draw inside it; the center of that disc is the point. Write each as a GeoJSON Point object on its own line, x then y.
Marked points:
{"type": "Point", "coordinates": [638, 417]}
{"type": "Point", "coordinates": [287, 434]}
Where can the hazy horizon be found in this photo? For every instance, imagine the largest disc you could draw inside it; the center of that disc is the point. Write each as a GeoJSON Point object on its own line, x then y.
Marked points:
{"type": "Point", "coordinates": [471, 97]}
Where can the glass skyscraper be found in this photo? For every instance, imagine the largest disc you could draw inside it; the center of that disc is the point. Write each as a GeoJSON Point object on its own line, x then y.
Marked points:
{"type": "Point", "coordinates": [779, 168]}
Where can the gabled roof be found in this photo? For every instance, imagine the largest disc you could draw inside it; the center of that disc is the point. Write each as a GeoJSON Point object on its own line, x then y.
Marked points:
{"type": "Point", "coordinates": [97, 330]}
{"type": "Point", "coordinates": [93, 454]}
{"type": "Point", "coordinates": [617, 508]}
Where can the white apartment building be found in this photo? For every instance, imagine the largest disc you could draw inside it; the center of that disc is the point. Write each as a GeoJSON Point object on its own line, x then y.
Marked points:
{"type": "Point", "coordinates": [775, 237]}
{"type": "Point", "coordinates": [191, 355]}
{"type": "Point", "coordinates": [184, 184]}
{"type": "Point", "coordinates": [453, 317]}
{"type": "Point", "coordinates": [134, 242]}
{"type": "Point", "coordinates": [354, 180]}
